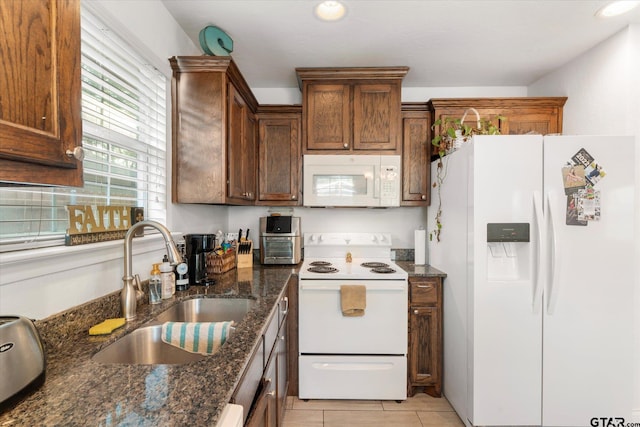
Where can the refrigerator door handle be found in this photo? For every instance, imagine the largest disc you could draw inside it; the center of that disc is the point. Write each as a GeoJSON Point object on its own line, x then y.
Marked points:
{"type": "Point", "coordinates": [554, 259]}
{"type": "Point", "coordinates": [539, 222]}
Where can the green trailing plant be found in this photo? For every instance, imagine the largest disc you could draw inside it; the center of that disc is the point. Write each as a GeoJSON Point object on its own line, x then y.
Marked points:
{"type": "Point", "coordinates": [455, 131]}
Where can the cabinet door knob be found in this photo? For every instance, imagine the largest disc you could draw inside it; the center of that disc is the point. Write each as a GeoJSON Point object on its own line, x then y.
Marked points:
{"type": "Point", "coordinates": [415, 311]}
{"type": "Point", "coordinates": [294, 197]}
{"type": "Point", "coordinates": [77, 153]}
{"type": "Point", "coordinates": [345, 145]}
{"type": "Point", "coordinates": [424, 197]}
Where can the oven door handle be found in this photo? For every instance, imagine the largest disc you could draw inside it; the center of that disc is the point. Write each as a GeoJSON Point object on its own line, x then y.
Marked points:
{"type": "Point", "coordinates": [389, 287]}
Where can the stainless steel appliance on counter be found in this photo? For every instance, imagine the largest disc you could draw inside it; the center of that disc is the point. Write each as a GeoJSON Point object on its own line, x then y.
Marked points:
{"type": "Point", "coordinates": [22, 356]}
{"type": "Point", "coordinates": [280, 240]}
{"type": "Point", "coordinates": [345, 357]}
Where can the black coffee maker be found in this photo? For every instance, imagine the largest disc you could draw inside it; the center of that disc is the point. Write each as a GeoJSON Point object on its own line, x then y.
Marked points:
{"type": "Point", "coordinates": [197, 247]}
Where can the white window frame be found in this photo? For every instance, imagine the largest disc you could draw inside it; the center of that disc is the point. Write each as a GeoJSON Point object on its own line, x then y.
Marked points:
{"type": "Point", "coordinates": [159, 152]}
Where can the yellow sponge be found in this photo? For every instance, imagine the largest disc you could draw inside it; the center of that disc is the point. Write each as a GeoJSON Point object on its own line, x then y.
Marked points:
{"type": "Point", "coordinates": [107, 326]}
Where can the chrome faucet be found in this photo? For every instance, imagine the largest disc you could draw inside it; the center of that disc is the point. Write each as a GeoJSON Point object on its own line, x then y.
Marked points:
{"type": "Point", "coordinates": [128, 294]}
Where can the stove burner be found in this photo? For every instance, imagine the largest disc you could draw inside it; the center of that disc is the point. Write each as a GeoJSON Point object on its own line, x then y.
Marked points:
{"type": "Point", "coordinates": [322, 269]}
{"type": "Point", "coordinates": [374, 264]}
{"type": "Point", "coordinates": [383, 270]}
{"type": "Point", "coordinates": [320, 263]}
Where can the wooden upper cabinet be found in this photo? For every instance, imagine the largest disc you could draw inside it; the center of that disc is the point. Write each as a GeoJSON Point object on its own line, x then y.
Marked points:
{"type": "Point", "coordinates": [279, 166]}
{"type": "Point", "coordinates": [376, 116]}
{"type": "Point", "coordinates": [328, 116]}
{"type": "Point", "coordinates": [541, 115]}
{"type": "Point", "coordinates": [213, 132]}
{"type": "Point", "coordinates": [40, 92]}
{"type": "Point", "coordinates": [241, 150]}
{"type": "Point", "coordinates": [351, 109]}
{"type": "Point", "coordinates": [416, 155]}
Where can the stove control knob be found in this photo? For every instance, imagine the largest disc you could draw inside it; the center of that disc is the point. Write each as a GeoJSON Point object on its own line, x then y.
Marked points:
{"type": "Point", "coordinates": [312, 238]}
{"type": "Point", "coordinates": [374, 238]}
{"type": "Point", "coordinates": [320, 239]}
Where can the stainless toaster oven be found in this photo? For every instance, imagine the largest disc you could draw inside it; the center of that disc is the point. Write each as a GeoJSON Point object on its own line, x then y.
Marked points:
{"type": "Point", "coordinates": [280, 240]}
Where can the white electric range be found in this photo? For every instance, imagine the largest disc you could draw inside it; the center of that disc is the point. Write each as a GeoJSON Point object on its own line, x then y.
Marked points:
{"type": "Point", "coordinates": [342, 357]}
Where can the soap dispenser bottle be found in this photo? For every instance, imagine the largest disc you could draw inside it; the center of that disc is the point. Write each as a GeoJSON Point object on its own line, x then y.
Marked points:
{"type": "Point", "coordinates": [155, 285]}
{"type": "Point", "coordinates": [168, 280]}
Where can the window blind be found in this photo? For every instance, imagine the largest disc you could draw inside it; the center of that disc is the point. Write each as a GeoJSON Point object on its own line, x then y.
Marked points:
{"type": "Point", "coordinates": [124, 138]}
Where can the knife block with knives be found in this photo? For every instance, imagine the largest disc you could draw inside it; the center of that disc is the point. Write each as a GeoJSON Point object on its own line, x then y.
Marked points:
{"type": "Point", "coordinates": [244, 252]}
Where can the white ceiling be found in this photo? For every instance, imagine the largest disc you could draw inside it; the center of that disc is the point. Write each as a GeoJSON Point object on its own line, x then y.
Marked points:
{"type": "Point", "coordinates": [445, 43]}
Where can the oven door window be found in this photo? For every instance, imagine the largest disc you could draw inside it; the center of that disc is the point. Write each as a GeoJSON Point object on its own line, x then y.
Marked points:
{"type": "Point", "coordinates": [279, 247]}
{"type": "Point", "coordinates": [339, 185]}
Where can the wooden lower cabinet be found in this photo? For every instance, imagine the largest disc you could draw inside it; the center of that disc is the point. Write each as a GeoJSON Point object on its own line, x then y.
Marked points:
{"type": "Point", "coordinates": [292, 337]}
{"type": "Point", "coordinates": [282, 382]}
{"type": "Point", "coordinates": [264, 413]}
{"type": "Point", "coordinates": [425, 336]}
{"type": "Point", "coordinates": [263, 388]}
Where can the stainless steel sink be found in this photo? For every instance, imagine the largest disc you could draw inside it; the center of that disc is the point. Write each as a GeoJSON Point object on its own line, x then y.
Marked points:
{"type": "Point", "coordinates": [145, 345]}
{"type": "Point", "coordinates": [207, 310]}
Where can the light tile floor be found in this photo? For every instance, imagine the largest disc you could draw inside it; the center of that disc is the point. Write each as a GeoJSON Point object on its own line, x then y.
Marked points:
{"type": "Point", "coordinates": [420, 410]}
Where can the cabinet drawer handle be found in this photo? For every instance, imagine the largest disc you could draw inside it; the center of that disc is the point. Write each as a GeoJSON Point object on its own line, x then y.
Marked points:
{"type": "Point", "coordinates": [425, 286]}
{"type": "Point", "coordinates": [286, 305]}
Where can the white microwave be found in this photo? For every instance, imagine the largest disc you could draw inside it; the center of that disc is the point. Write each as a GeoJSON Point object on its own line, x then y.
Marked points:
{"type": "Point", "coordinates": [356, 181]}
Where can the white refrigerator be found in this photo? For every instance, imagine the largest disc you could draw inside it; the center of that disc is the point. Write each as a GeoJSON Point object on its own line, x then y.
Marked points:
{"type": "Point", "coordinates": [537, 241]}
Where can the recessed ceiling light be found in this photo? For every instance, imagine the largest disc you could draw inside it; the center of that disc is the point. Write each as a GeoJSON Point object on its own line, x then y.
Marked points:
{"type": "Point", "coordinates": [330, 10]}
{"type": "Point", "coordinates": [616, 8]}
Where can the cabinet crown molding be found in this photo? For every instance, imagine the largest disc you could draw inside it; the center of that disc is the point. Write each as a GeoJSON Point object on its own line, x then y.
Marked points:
{"type": "Point", "coordinates": [518, 102]}
{"type": "Point", "coordinates": [350, 73]}
{"type": "Point", "coordinates": [208, 64]}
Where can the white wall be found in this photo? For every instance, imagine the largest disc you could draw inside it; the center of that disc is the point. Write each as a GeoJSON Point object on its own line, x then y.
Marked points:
{"type": "Point", "coordinates": [400, 222]}
{"type": "Point", "coordinates": [603, 86]}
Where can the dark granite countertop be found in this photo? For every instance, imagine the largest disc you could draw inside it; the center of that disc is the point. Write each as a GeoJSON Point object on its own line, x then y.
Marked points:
{"type": "Point", "coordinates": [420, 270]}
{"type": "Point", "coordinates": [78, 391]}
